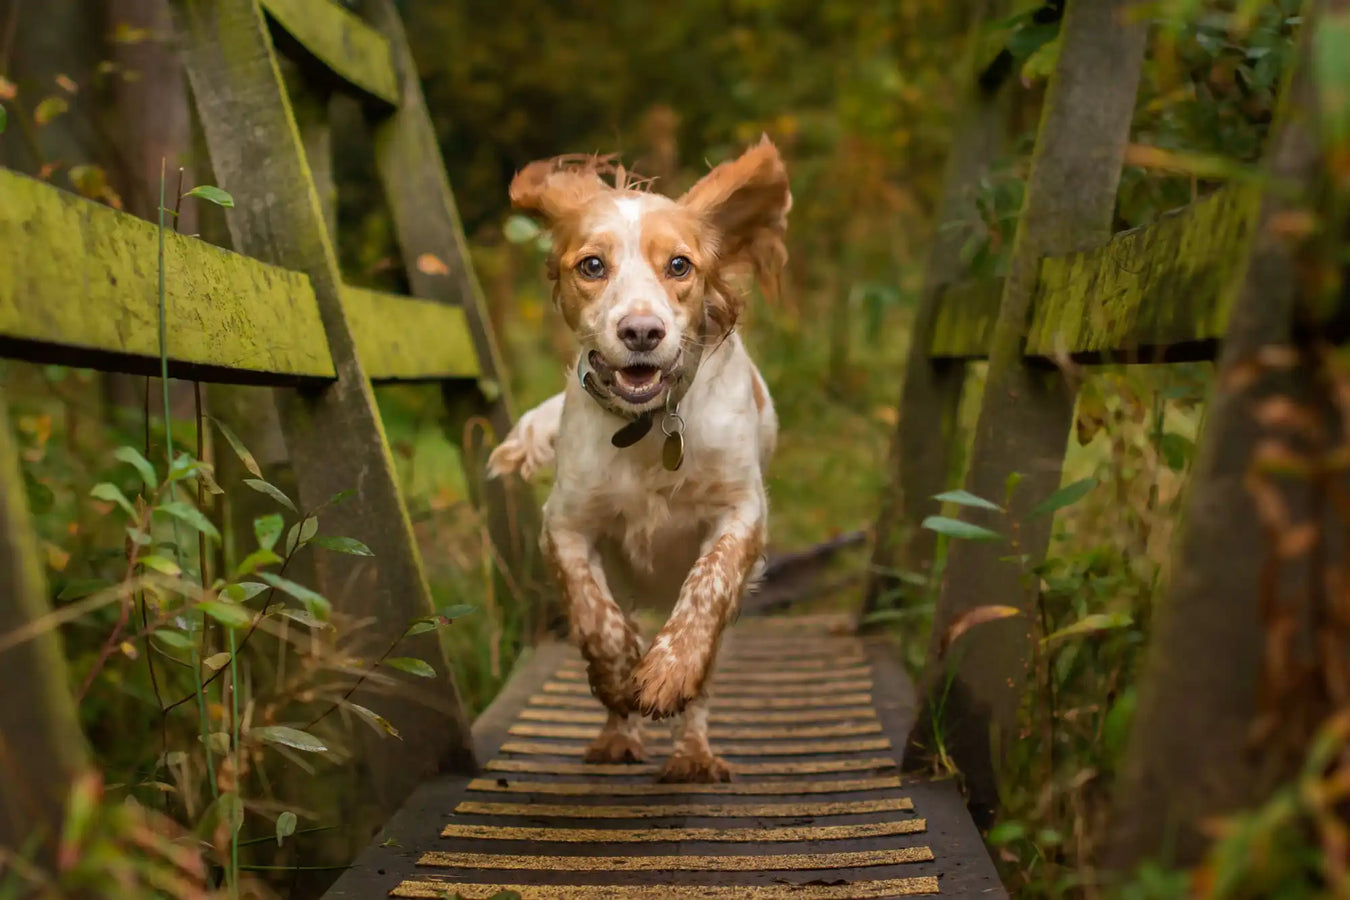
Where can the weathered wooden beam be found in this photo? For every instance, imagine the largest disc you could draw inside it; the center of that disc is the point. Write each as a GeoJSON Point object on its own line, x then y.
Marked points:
{"type": "Point", "coordinates": [42, 747]}
{"type": "Point", "coordinates": [1190, 758]}
{"type": "Point", "coordinates": [436, 259]}
{"type": "Point", "coordinates": [335, 436]}
{"type": "Point", "coordinates": [408, 339]}
{"type": "Point", "coordinates": [922, 447]}
{"type": "Point", "coordinates": [350, 50]}
{"type": "Point", "coordinates": [972, 696]}
{"type": "Point", "coordinates": [79, 286]}
{"type": "Point", "coordinates": [1147, 294]}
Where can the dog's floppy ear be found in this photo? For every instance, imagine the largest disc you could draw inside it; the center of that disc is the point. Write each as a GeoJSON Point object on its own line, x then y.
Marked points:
{"type": "Point", "coordinates": [746, 202]}
{"type": "Point", "coordinates": [554, 188]}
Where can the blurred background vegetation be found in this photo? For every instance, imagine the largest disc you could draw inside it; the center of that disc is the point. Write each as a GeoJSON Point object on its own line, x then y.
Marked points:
{"type": "Point", "coordinates": [861, 99]}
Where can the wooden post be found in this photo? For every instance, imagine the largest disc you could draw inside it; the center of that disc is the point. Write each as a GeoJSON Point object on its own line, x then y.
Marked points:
{"type": "Point", "coordinates": [335, 437]}
{"type": "Point", "coordinates": [436, 258]}
{"type": "Point", "coordinates": [1189, 756]}
{"type": "Point", "coordinates": [1026, 411]}
{"type": "Point", "coordinates": [42, 748]}
{"type": "Point", "coordinates": [922, 447]}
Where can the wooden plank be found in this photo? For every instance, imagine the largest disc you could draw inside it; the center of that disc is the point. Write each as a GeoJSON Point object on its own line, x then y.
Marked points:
{"type": "Point", "coordinates": [335, 437]}
{"type": "Point", "coordinates": [1150, 294]}
{"type": "Point", "coordinates": [79, 286]}
{"type": "Point", "coordinates": [42, 748]}
{"type": "Point", "coordinates": [406, 339]}
{"type": "Point", "coordinates": [436, 259]}
{"type": "Point", "coordinates": [1190, 758]}
{"type": "Point", "coordinates": [1027, 409]}
{"type": "Point", "coordinates": [356, 55]}
{"type": "Point", "coordinates": [923, 444]}
{"type": "Point", "coordinates": [787, 834]}
{"type": "Point", "coordinates": [854, 890]}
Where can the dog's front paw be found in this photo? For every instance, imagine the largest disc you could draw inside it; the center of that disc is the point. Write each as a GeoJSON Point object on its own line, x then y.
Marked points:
{"type": "Point", "coordinates": [610, 687]}
{"type": "Point", "coordinates": [695, 768]}
{"type": "Point", "coordinates": [667, 681]}
{"type": "Point", "coordinates": [615, 746]}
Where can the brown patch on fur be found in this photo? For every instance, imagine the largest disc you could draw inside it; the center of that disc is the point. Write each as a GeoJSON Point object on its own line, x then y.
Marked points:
{"type": "Point", "coordinates": [761, 392]}
{"type": "Point", "coordinates": [674, 671]}
{"type": "Point", "coordinates": [606, 636]}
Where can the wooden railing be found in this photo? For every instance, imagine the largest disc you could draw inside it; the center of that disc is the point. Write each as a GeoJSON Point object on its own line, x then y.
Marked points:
{"type": "Point", "coordinates": [78, 287]}
{"type": "Point", "coordinates": [1211, 281]}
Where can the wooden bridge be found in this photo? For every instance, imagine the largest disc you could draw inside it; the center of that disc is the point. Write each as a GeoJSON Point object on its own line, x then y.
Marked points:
{"type": "Point", "coordinates": [818, 719]}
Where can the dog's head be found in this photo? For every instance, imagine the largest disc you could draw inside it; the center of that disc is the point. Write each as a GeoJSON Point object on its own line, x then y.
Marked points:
{"type": "Point", "coordinates": [641, 278]}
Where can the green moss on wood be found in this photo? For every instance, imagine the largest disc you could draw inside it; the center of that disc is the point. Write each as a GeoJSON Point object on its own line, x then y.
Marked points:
{"type": "Point", "coordinates": [76, 274]}
{"type": "Point", "coordinates": [403, 338]}
{"type": "Point", "coordinates": [350, 48]}
{"type": "Point", "coordinates": [1152, 287]}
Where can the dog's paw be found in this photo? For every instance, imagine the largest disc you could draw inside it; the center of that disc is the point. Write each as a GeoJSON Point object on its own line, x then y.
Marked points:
{"type": "Point", "coordinates": [615, 747]}
{"type": "Point", "coordinates": [666, 682]}
{"type": "Point", "coordinates": [695, 768]}
{"type": "Point", "coordinates": [611, 687]}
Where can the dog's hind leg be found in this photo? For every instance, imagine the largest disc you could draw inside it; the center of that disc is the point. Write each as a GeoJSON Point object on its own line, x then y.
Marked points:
{"type": "Point", "coordinates": [620, 741]}
{"type": "Point", "coordinates": [692, 759]}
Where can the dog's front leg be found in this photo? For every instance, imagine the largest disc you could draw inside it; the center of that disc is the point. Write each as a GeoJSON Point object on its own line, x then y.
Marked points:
{"type": "Point", "coordinates": [606, 636]}
{"type": "Point", "coordinates": [674, 671]}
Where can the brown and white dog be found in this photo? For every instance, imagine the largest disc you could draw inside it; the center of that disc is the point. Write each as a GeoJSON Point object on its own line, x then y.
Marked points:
{"type": "Point", "coordinates": [661, 438]}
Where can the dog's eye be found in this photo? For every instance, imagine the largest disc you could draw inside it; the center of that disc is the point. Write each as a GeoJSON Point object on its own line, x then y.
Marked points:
{"type": "Point", "coordinates": [592, 268]}
{"type": "Point", "coordinates": [679, 266]}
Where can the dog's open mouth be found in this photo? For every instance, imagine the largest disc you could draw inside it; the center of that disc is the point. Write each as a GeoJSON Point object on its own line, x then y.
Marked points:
{"type": "Point", "coordinates": [636, 384]}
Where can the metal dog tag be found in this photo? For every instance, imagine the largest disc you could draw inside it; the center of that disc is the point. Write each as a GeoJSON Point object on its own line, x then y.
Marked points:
{"type": "Point", "coordinates": [672, 452]}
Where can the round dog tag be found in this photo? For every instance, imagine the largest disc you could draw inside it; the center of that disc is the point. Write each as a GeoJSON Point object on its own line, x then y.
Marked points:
{"type": "Point", "coordinates": [672, 452]}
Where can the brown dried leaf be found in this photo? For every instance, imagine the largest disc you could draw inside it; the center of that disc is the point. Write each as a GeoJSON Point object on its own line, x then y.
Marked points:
{"type": "Point", "coordinates": [67, 84]}
{"type": "Point", "coordinates": [431, 264]}
{"type": "Point", "coordinates": [1270, 505]}
{"type": "Point", "coordinates": [1277, 356]}
{"type": "Point", "coordinates": [1292, 223]}
{"type": "Point", "coordinates": [1283, 412]}
{"type": "Point", "coordinates": [1298, 541]}
{"type": "Point", "coordinates": [969, 619]}
{"type": "Point", "coordinates": [8, 90]}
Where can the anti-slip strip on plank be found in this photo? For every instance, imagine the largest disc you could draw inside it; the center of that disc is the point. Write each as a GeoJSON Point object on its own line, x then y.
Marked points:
{"type": "Point", "coordinates": [716, 732]}
{"type": "Point", "coordinates": [580, 688]}
{"type": "Point", "coordinates": [767, 665]}
{"type": "Point", "coordinates": [583, 700]}
{"type": "Point", "coordinates": [597, 716]}
{"type": "Point", "coordinates": [771, 767]}
{"type": "Point", "coordinates": [767, 748]}
{"type": "Point", "coordinates": [736, 680]}
{"type": "Point", "coordinates": [791, 834]}
{"type": "Point", "coordinates": [688, 810]}
{"type": "Point", "coordinates": [857, 890]}
{"type": "Point", "coordinates": [777, 862]}
{"type": "Point", "coordinates": [657, 789]}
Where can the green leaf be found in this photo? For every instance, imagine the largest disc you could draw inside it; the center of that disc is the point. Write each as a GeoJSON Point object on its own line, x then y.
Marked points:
{"type": "Point", "coordinates": [173, 639]}
{"type": "Point", "coordinates": [113, 494]}
{"type": "Point", "coordinates": [1007, 832]}
{"type": "Point", "coordinates": [285, 826]}
{"type": "Point", "coordinates": [4, 119]}
{"type": "Point", "coordinates": [342, 545]}
{"type": "Point", "coordinates": [256, 560]}
{"type": "Point", "coordinates": [161, 564]}
{"type": "Point", "coordinates": [131, 456]}
{"type": "Point", "coordinates": [272, 491]}
{"type": "Point", "coordinates": [456, 611]}
{"type": "Point", "coordinates": [1028, 38]}
{"type": "Point", "coordinates": [314, 602]}
{"type": "Point", "coordinates": [1331, 62]}
{"type": "Point", "coordinates": [955, 528]}
{"type": "Point", "coordinates": [267, 529]}
{"type": "Point", "coordinates": [228, 809]}
{"type": "Point", "coordinates": [380, 722]}
{"type": "Point", "coordinates": [227, 613]}
{"type": "Point", "coordinates": [217, 661]}
{"type": "Point", "coordinates": [966, 498]}
{"type": "Point", "coordinates": [80, 587]}
{"type": "Point", "coordinates": [1176, 450]}
{"type": "Point", "coordinates": [339, 497]}
{"type": "Point", "coordinates": [289, 737]}
{"type": "Point", "coordinates": [1065, 496]}
{"type": "Point", "coordinates": [1116, 724]}
{"type": "Point", "coordinates": [138, 537]}
{"type": "Point", "coordinates": [212, 194]}
{"type": "Point", "coordinates": [301, 533]}
{"type": "Point", "coordinates": [421, 626]}
{"type": "Point", "coordinates": [303, 616]}
{"type": "Point", "coordinates": [191, 515]}
{"type": "Point", "coordinates": [520, 229]}
{"type": "Point", "coordinates": [239, 449]}
{"type": "Point", "coordinates": [1091, 624]}
{"type": "Point", "coordinates": [243, 591]}
{"type": "Point", "coordinates": [411, 665]}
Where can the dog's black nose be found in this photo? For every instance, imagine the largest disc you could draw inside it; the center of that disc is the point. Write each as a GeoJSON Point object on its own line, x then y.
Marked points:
{"type": "Point", "coordinates": [641, 333]}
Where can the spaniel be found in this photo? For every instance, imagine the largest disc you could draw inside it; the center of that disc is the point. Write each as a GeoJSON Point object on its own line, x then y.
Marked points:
{"type": "Point", "coordinates": [662, 435]}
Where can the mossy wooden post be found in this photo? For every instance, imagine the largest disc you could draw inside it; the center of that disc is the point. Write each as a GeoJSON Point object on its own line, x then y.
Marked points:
{"type": "Point", "coordinates": [41, 746]}
{"type": "Point", "coordinates": [1027, 410]}
{"type": "Point", "coordinates": [921, 449]}
{"type": "Point", "coordinates": [1189, 758]}
{"type": "Point", "coordinates": [334, 435]}
{"type": "Point", "coordinates": [436, 257]}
